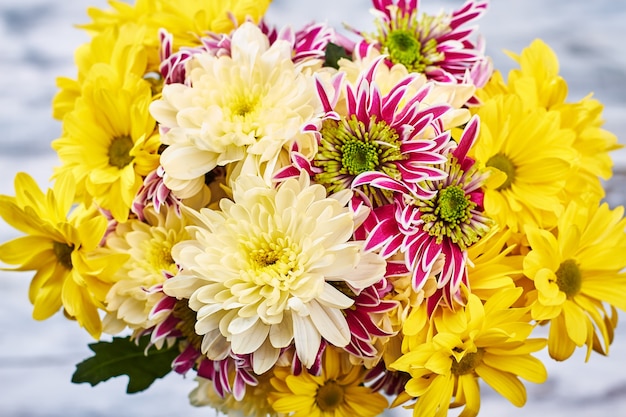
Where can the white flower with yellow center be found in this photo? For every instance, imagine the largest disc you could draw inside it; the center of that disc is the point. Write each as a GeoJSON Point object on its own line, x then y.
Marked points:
{"type": "Point", "coordinates": [131, 299]}
{"type": "Point", "coordinates": [248, 108]}
{"type": "Point", "coordinates": [264, 271]}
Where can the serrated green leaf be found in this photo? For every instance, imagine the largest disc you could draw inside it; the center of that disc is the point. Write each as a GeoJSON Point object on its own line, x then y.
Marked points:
{"type": "Point", "coordinates": [122, 356]}
{"type": "Point", "coordinates": [333, 54]}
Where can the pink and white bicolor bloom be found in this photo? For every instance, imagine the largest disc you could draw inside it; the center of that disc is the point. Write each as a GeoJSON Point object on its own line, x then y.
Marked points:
{"type": "Point", "coordinates": [443, 227]}
{"type": "Point", "coordinates": [442, 47]}
{"type": "Point", "coordinates": [363, 131]}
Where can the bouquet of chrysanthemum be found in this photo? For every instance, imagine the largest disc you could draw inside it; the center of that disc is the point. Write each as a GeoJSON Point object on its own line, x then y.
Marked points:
{"type": "Point", "coordinates": [310, 222]}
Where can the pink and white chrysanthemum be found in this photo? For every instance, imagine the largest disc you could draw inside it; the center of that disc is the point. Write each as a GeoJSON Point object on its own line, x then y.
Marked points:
{"type": "Point", "coordinates": [441, 46]}
{"type": "Point", "coordinates": [391, 134]}
{"type": "Point", "coordinates": [443, 227]}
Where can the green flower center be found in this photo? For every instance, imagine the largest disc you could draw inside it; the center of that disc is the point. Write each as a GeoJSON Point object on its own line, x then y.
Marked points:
{"type": "Point", "coordinates": [63, 252]}
{"type": "Point", "coordinates": [452, 205]}
{"type": "Point", "coordinates": [468, 362]}
{"type": "Point", "coordinates": [404, 47]}
{"type": "Point", "coordinates": [329, 396]}
{"type": "Point", "coordinates": [348, 148]}
{"type": "Point", "coordinates": [569, 278]}
{"type": "Point", "coordinates": [187, 323]}
{"type": "Point", "coordinates": [159, 255]}
{"type": "Point", "coordinates": [119, 151]}
{"type": "Point", "coordinates": [504, 164]}
{"type": "Point", "coordinates": [359, 157]}
{"type": "Point", "coordinates": [448, 215]}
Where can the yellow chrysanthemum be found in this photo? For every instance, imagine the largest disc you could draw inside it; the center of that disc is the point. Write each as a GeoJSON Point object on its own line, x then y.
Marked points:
{"type": "Point", "coordinates": [109, 140]}
{"type": "Point", "coordinates": [71, 273]}
{"type": "Point", "coordinates": [576, 269]}
{"type": "Point", "coordinates": [149, 244]}
{"type": "Point", "coordinates": [187, 21]}
{"type": "Point", "coordinates": [116, 46]}
{"type": "Point", "coordinates": [247, 108]}
{"type": "Point", "coordinates": [263, 272]}
{"type": "Point", "coordinates": [529, 157]}
{"type": "Point", "coordinates": [538, 83]}
{"type": "Point", "coordinates": [337, 392]}
{"type": "Point", "coordinates": [487, 341]}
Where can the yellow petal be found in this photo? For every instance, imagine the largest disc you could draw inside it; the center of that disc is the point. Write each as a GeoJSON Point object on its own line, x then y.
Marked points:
{"type": "Point", "coordinates": [504, 383]}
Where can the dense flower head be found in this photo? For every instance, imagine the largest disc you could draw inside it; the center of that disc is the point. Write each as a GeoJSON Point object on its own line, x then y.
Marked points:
{"type": "Point", "coordinates": [246, 108]}
{"type": "Point", "coordinates": [261, 272]}
{"type": "Point", "coordinates": [61, 244]}
{"type": "Point", "coordinates": [487, 341]}
{"type": "Point", "coordinates": [577, 269]}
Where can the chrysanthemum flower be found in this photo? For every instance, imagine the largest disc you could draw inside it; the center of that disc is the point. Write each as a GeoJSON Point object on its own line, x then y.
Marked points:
{"type": "Point", "coordinates": [530, 159]}
{"type": "Point", "coordinates": [187, 21]}
{"type": "Point", "coordinates": [115, 46]}
{"type": "Point", "coordinates": [338, 391]}
{"type": "Point", "coordinates": [149, 245]}
{"type": "Point", "coordinates": [441, 47]}
{"type": "Point", "coordinates": [260, 272]}
{"type": "Point", "coordinates": [538, 83]}
{"type": "Point", "coordinates": [109, 140]}
{"type": "Point", "coordinates": [71, 273]}
{"type": "Point", "coordinates": [487, 341]}
{"type": "Point", "coordinates": [390, 136]}
{"type": "Point", "coordinates": [248, 108]}
{"type": "Point", "coordinates": [445, 225]}
{"type": "Point", "coordinates": [577, 269]}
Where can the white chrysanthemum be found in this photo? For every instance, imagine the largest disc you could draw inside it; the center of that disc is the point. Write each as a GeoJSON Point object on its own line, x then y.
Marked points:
{"type": "Point", "coordinates": [259, 272]}
{"type": "Point", "coordinates": [130, 300]}
{"type": "Point", "coordinates": [248, 107]}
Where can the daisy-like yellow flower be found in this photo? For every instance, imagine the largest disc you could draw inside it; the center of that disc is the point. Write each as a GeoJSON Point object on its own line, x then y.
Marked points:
{"type": "Point", "coordinates": [263, 272]}
{"type": "Point", "coordinates": [577, 269]}
{"type": "Point", "coordinates": [249, 107]}
{"type": "Point", "coordinates": [109, 140]}
{"type": "Point", "coordinates": [187, 21]}
{"type": "Point", "coordinates": [488, 342]}
{"type": "Point", "coordinates": [149, 244]}
{"type": "Point", "coordinates": [71, 273]}
{"type": "Point", "coordinates": [117, 46]}
{"type": "Point", "coordinates": [529, 157]}
{"type": "Point", "coordinates": [337, 392]}
{"type": "Point", "coordinates": [538, 83]}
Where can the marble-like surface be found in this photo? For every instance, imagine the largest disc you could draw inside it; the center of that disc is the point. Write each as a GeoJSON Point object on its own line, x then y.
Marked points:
{"type": "Point", "coordinates": [37, 42]}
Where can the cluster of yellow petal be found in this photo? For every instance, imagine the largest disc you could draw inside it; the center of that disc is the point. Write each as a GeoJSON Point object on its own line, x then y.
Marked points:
{"type": "Point", "coordinates": [456, 348]}
{"type": "Point", "coordinates": [337, 392]}
{"type": "Point", "coordinates": [72, 272]}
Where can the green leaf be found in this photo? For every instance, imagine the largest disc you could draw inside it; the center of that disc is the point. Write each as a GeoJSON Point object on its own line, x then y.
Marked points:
{"type": "Point", "coordinates": [123, 356]}
{"type": "Point", "coordinates": [333, 54]}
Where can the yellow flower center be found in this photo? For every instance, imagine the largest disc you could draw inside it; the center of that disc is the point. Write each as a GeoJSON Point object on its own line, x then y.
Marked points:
{"type": "Point", "coordinates": [274, 263]}
{"type": "Point", "coordinates": [119, 151]}
{"type": "Point", "coordinates": [329, 396]}
{"type": "Point", "coordinates": [568, 277]}
{"type": "Point", "coordinates": [504, 164]}
{"type": "Point", "coordinates": [468, 362]}
{"type": "Point", "coordinates": [63, 252]}
{"type": "Point", "coordinates": [159, 256]}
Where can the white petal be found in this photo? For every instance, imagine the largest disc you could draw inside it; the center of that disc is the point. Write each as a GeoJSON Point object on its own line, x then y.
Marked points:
{"type": "Point", "coordinates": [264, 358]}
{"type": "Point", "coordinates": [250, 340]}
{"type": "Point", "coordinates": [331, 323]}
{"type": "Point", "coordinates": [281, 334]}
{"type": "Point", "coordinates": [307, 339]}
{"type": "Point", "coordinates": [215, 346]}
